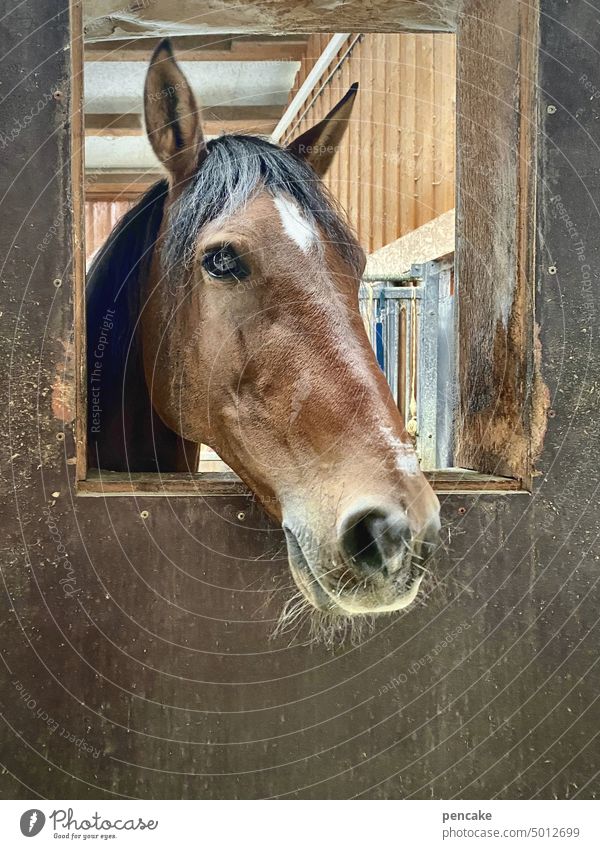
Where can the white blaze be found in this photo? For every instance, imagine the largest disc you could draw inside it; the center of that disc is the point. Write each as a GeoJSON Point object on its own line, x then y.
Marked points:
{"type": "Point", "coordinates": [295, 225]}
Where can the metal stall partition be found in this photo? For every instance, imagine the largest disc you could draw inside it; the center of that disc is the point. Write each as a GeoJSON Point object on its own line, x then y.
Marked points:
{"type": "Point", "coordinates": [410, 323]}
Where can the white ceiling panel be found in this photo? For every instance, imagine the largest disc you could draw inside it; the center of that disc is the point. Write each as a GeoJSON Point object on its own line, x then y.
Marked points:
{"type": "Point", "coordinates": [119, 154]}
{"type": "Point", "coordinates": [112, 87]}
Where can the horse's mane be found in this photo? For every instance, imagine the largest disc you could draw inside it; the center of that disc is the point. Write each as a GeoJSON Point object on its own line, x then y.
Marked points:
{"type": "Point", "coordinates": [113, 281]}
{"type": "Point", "coordinates": [123, 431]}
{"type": "Point", "coordinates": [234, 169]}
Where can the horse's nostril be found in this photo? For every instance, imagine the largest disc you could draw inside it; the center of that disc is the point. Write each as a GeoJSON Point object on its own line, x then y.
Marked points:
{"type": "Point", "coordinates": [373, 539]}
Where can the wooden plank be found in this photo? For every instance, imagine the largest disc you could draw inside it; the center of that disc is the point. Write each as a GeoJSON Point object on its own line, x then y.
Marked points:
{"type": "Point", "coordinates": [112, 20]}
{"type": "Point", "coordinates": [215, 120]}
{"type": "Point", "coordinates": [445, 126]}
{"type": "Point", "coordinates": [207, 48]}
{"type": "Point", "coordinates": [390, 139]}
{"type": "Point", "coordinates": [129, 124]}
{"type": "Point", "coordinates": [235, 119]}
{"type": "Point", "coordinates": [364, 186]}
{"type": "Point", "coordinates": [119, 185]}
{"type": "Point", "coordinates": [102, 483]}
{"type": "Point", "coordinates": [379, 118]}
{"type": "Point", "coordinates": [205, 484]}
{"type": "Point", "coordinates": [424, 111]}
{"type": "Point", "coordinates": [494, 252]}
{"type": "Point", "coordinates": [406, 200]}
{"type": "Point", "coordinates": [77, 141]}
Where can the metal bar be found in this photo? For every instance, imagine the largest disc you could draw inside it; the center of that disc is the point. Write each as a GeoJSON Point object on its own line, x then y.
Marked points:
{"type": "Point", "coordinates": [396, 292]}
{"type": "Point", "coordinates": [392, 314]}
{"type": "Point", "coordinates": [447, 391]}
{"type": "Point", "coordinates": [382, 277]}
{"type": "Point", "coordinates": [428, 367]}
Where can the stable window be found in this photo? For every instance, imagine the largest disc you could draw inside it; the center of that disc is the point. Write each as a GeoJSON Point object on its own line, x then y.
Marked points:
{"type": "Point", "coordinates": [446, 296]}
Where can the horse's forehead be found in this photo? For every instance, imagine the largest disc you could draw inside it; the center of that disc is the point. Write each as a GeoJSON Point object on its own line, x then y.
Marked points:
{"type": "Point", "coordinates": [295, 224]}
{"type": "Point", "coordinates": [272, 217]}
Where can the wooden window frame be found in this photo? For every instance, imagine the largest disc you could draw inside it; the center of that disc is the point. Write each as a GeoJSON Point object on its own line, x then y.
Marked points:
{"type": "Point", "coordinates": [500, 396]}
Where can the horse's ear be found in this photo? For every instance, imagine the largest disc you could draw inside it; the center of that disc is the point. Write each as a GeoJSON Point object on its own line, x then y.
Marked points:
{"type": "Point", "coordinates": [171, 113]}
{"type": "Point", "coordinates": [319, 145]}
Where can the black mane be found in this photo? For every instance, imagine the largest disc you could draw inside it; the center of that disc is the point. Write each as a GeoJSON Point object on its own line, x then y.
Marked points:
{"type": "Point", "coordinates": [113, 278]}
{"type": "Point", "coordinates": [124, 432]}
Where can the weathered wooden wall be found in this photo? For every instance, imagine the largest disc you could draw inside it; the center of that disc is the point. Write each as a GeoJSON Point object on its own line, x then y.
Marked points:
{"type": "Point", "coordinates": [150, 672]}
{"type": "Point", "coordinates": [395, 167]}
{"type": "Point", "coordinates": [114, 19]}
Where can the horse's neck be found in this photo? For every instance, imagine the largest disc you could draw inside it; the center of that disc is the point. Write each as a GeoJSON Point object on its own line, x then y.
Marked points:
{"type": "Point", "coordinates": [124, 432]}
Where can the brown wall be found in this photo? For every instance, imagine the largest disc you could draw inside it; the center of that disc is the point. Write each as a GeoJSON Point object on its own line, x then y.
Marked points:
{"type": "Point", "coordinates": [395, 169]}
{"type": "Point", "coordinates": [158, 659]}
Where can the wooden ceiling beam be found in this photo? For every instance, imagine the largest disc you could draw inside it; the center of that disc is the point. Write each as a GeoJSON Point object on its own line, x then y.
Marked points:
{"type": "Point", "coordinates": [113, 125]}
{"type": "Point", "coordinates": [119, 185]}
{"type": "Point", "coordinates": [215, 120]}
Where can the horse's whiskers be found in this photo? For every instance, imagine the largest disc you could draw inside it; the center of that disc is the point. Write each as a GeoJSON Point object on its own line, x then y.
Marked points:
{"type": "Point", "coordinates": [328, 628]}
{"type": "Point", "coordinates": [341, 590]}
{"type": "Point", "coordinates": [291, 613]}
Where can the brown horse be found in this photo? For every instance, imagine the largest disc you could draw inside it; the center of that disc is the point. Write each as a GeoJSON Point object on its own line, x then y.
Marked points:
{"type": "Point", "coordinates": [228, 300]}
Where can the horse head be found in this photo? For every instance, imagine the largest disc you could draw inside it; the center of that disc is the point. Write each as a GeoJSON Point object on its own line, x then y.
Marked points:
{"type": "Point", "coordinates": [253, 343]}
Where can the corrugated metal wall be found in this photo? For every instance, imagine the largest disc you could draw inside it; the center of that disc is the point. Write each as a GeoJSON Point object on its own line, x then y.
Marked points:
{"type": "Point", "coordinates": [395, 168]}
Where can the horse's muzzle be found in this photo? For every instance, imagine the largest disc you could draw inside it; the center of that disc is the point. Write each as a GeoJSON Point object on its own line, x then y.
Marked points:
{"type": "Point", "coordinates": [375, 564]}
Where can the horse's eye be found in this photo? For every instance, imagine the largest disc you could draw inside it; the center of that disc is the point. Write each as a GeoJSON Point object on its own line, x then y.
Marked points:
{"type": "Point", "coordinates": [224, 262]}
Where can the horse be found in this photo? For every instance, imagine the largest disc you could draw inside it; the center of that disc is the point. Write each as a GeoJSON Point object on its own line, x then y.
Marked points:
{"type": "Point", "coordinates": [223, 309]}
